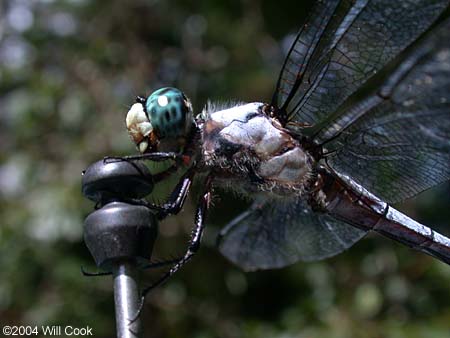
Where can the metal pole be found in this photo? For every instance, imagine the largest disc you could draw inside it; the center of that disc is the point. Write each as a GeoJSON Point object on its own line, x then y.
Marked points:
{"type": "Point", "coordinates": [127, 300]}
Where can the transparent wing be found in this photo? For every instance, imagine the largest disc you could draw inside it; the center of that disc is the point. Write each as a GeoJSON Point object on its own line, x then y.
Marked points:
{"type": "Point", "coordinates": [342, 45]}
{"type": "Point", "coordinates": [396, 142]}
{"type": "Point", "coordinates": [273, 235]}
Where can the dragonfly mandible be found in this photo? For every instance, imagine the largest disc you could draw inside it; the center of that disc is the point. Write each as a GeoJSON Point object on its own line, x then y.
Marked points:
{"type": "Point", "coordinates": [338, 144]}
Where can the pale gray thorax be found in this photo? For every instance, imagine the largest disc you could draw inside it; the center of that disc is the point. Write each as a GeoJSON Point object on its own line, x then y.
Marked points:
{"type": "Point", "coordinates": [245, 144]}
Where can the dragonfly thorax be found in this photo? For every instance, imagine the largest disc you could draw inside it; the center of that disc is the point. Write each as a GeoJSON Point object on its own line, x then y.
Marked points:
{"type": "Point", "coordinates": [242, 143]}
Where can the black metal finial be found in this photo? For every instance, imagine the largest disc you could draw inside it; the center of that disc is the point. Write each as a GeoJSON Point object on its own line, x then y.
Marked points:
{"type": "Point", "coordinates": [120, 234]}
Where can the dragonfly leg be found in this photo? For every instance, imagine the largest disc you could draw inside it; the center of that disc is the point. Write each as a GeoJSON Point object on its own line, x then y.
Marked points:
{"type": "Point", "coordinates": [176, 199]}
{"type": "Point", "coordinates": [157, 157]}
{"type": "Point", "coordinates": [178, 196]}
{"type": "Point", "coordinates": [153, 265]}
{"type": "Point", "coordinates": [196, 235]}
{"type": "Point", "coordinates": [93, 274]}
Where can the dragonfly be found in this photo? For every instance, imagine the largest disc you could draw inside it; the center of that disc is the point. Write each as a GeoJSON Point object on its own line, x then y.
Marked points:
{"type": "Point", "coordinates": [359, 120]}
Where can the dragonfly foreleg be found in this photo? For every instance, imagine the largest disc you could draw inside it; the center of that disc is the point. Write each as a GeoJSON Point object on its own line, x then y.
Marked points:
{"type": "Point", "coordinates": [196, 236]}
{"type": "Point", "coordinates": [153, 265]}
{"type": "Point", "coordinates": [178, 196]}
{"type": "Point", "coordinates": [157, 157]}
{"type": "Point", "coordinates": [93, 274]}
{"type": "Point", "coordinates": [176, 199]}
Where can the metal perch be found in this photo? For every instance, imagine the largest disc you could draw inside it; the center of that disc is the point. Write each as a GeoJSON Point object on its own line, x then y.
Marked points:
{"type": "Point", "coordinates": [121, 233]}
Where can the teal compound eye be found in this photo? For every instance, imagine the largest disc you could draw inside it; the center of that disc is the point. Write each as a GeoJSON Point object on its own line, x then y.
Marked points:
{"type": "Point", "coordinates": [169, 112]}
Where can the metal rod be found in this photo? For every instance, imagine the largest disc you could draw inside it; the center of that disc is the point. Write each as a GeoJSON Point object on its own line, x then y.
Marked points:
{"type": "Point", "coordinates": [127, 300]}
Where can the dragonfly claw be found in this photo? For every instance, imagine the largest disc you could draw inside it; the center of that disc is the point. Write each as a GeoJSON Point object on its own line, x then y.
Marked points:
{"type": "Point", "coordinates": [93, 274]}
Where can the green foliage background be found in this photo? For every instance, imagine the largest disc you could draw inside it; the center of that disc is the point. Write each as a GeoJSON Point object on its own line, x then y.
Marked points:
{"type": "Point", "coordinates": [69, 70]}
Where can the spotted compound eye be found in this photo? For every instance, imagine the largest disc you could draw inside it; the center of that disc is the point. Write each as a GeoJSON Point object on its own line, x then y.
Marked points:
{"type": "Point", "coordinates": [170, 112]}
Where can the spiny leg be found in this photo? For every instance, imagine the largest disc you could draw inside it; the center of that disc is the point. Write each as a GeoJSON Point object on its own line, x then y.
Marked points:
{"type": "Point", "coordinates": [180, 159]}
{"type": "Point", "coordinates": [194, 243]}
{"type": "Point", "coordinates": [176, 199]}
{"type": "Point", "coordinates": [93, 274]}
{"type": "Point", "coordinates": [196, 235]}
{"type": "Point", "coordinates": [157, 157]}
{"type": "Point", "coordinates": [154, 265]}
{"type": "Point", "coordinates": [178, 196]}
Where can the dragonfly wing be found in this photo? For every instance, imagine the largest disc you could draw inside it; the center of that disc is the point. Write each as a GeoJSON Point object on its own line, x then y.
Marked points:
{"type": "Point", "coordinates": [343, 44]}
{"type": "Point", "coordinates": [275, 234]}
{"type": "Point", "coordinates": [396, 141]}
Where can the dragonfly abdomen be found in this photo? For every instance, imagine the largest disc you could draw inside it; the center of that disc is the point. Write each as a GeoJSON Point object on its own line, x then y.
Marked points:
{"type": "Point", "coordinates": [348, 201]}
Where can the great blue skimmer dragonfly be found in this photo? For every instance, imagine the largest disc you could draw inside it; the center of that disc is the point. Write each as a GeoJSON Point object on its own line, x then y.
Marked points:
{"type": "Point", "coordinates": [337, 145]}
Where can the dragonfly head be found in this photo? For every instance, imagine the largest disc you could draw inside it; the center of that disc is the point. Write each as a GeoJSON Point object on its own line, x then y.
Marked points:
{"type": "Point", "coordinates": [163, 120]}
